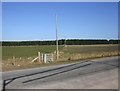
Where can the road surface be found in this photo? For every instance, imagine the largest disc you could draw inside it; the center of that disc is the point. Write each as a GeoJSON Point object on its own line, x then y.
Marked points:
{"type": "Point", "coordinates": [90, 74]}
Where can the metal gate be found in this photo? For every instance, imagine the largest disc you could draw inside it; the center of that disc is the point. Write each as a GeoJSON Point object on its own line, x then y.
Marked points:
{"type": "Point", "coordinates": [48, 57]}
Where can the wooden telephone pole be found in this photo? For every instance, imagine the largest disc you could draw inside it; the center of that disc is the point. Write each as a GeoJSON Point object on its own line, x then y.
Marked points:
{"type": "Point", "coordinates": [57, 52]}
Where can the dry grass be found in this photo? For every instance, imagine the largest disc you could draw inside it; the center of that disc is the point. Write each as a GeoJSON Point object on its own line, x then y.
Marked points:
{"type": "Point", "coordinates": [66, 55]}
{"type": "Point", "coordinates": [76, 52]}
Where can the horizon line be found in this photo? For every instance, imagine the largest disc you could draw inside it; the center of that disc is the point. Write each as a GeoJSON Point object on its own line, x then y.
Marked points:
{"type": "Point", "coordinates": [61, 39]}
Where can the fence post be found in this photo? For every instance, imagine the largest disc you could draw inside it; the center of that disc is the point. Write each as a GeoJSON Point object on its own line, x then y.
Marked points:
{"type": "Point", "coordinates": [52, 56]}
{"type": "Point", "coordinates": [39, 57]}
{"type": "Point", "coordinates": [42, 57]}
{"type": "Point", "coordinates": [45, 61]}
{"type": "Point", "coordinates": [13, 63]}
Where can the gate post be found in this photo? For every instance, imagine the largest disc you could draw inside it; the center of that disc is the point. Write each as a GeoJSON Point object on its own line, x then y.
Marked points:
{"type": "Point", "coordinates": [39, 57]}
{"type": "Point", "coordinates": [45, 61]}
{"type": "Point", "coordinates": [42, 58]}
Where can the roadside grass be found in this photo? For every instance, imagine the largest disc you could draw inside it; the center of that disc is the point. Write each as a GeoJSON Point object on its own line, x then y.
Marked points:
{"type": "Point", "coordinates": [88, 51]}
{"type": "Point", "coordinates": [72, 53]}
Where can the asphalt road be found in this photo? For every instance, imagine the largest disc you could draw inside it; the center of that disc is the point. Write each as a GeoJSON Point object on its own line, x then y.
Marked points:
{"type": "Point", "coordinates": [90, 74]}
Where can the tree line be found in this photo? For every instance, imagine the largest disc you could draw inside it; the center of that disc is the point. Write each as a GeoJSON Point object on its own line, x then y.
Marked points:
{"type": "Point", "coordinates": [60, 42]}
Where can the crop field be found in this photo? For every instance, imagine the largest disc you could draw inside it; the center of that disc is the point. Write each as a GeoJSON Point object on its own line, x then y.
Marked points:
{"type": "Point", "coordinates": [23, 55]}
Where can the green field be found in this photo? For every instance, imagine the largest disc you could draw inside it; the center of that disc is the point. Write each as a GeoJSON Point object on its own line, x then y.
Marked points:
{"type": "Point", "coordinates": [31, 51]}
{"type": "Point", "coordinates": [25, 54]}
{"type": "Point", "coordinates": [25, 51]}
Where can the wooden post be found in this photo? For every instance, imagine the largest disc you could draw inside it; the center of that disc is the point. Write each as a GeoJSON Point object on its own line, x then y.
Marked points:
{"type": "Point", "coordinates": [13, 61]}
{"type": "Point", "coordinates": [39, 57]}
{"type": "Point", "coordinates": [13, 57]}
{"type": "Point", "coordinates": [45, 61]}
{"type": "Point", "coordinates": [56, 38]}
{"type": "Point", "coordinates": [42, 57]}
{"type": "Point", "coordinates": [52, 56]}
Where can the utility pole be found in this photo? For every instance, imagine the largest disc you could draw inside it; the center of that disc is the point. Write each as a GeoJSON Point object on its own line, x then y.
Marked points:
{"type": "Point", "coordinates": [57, 54]}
